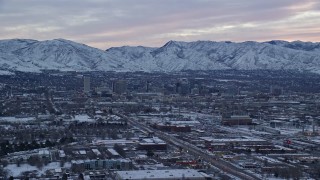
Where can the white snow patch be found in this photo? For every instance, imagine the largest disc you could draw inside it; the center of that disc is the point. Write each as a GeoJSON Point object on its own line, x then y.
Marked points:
{"type": "Point", "coordinates": [14, 170]}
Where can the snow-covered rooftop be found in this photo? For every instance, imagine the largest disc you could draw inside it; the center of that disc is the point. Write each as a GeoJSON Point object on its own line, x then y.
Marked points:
{"type": "Point", "coordinates": [161, 174]}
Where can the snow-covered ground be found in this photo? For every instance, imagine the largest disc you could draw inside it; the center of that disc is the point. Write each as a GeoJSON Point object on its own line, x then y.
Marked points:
{"type": "Point", "coordinates": [17, 119]}
{"type": "Point", "coordinates": [14, 170]}
{"type": "Point", "coordinates": [5, 72]}
{"type": "Point", "coordinates": [83, 118]}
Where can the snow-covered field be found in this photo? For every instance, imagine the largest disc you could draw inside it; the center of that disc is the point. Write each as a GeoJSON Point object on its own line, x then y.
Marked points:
{"type": "Point", "coordinates": [14, 170]}
{"type": "Point", "coordinates": [17, 119]}
{"type": "Point", "coordinates": [83, 118]}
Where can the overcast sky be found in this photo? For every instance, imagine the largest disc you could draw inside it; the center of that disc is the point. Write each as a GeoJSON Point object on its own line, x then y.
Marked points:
{"type": "Point", "coordinates": [107, 23]}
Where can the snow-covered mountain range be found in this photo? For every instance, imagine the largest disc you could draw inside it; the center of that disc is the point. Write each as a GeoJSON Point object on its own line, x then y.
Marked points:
{"type": "Point", "coordinates": [33, 56]}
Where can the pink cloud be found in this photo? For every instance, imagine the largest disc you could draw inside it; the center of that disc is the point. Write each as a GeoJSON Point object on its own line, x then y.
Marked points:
{"type": "Point", "coordinates": [109, 23]}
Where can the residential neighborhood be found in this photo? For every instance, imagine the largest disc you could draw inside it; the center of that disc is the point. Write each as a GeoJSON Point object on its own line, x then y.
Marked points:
{"type": "Point", "coordinates": [200, 125]}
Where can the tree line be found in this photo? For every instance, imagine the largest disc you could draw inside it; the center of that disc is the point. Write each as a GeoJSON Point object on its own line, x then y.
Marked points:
{"type": "Point", "coordinates": [6, 147]}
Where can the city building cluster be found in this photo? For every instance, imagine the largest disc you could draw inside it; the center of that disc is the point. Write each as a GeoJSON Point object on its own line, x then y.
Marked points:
{"type": "Point", "coordinates": [187, 125]}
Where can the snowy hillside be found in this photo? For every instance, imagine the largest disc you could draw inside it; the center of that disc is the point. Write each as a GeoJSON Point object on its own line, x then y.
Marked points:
{"type": "Point", "coordinates": [32, 55]}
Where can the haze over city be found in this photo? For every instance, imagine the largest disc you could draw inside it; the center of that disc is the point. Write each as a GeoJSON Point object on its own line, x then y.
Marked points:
{"type": "Point", "coordinates": [103, 24]}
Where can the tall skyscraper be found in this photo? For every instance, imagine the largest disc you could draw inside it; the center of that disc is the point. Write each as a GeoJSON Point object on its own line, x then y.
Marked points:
{"type": "Point", "coordinates": [86, 84]}
{"type": "Point", "coordinates": [183, 86]}
{"type": "Point", "coordinates": [276, 90]}
{"type": "Point", "coordinates": [120, 86]}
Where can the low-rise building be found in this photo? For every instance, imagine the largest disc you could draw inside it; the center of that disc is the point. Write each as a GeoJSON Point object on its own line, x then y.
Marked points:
{"type": "Point", "coordinates": [154, 143]}
{"type": "Point", "coordinates": [236, 120]}
{"type": "Point", "coordinates": [171, 174]}
{"type": "Point", "coordinates": [119, 164]}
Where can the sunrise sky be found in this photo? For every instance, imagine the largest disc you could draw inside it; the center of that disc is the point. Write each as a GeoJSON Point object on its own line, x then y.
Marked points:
{"type": "Point", "coordinates": [107, 23]}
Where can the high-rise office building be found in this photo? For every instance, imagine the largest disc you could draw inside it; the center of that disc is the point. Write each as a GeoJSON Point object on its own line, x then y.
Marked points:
{"type": "Point", "coordinates": [276, 90]}
{"type": "Point", "coordinates": [86, 84]}
{"type": "Point", "coordinates": [183, 86]}
{"type": "Point", "coordinates": [120, 86]}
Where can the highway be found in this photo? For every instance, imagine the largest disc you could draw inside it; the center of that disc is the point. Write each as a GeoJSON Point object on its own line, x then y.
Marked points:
{"type": "Point", "coordinates": [214, 160]}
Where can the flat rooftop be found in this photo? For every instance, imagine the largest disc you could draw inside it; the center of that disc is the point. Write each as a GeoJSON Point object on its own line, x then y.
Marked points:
{"type": "Point", "coordinates": [247, 139]}
{"type": "Point", "coordinates": [161, 174]}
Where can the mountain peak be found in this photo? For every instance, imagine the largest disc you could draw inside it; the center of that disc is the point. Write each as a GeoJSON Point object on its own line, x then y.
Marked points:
{"type": "Point", "coordinates": [60, 41]}
{"type": "Point", "coordinates": [277, 42]}
{"type": "Point", "coordinates": [15, 41]}
{"type": "Point", "coordinates": [172, 43]}
{"type": "Point", "coordinates": [62, 54]}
